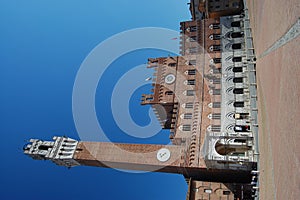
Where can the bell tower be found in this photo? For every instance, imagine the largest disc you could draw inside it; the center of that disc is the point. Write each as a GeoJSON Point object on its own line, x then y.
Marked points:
{"type": "Point", "coordinates": [144, 157]}
{"type": "Point", "coordinates": [67, 152]}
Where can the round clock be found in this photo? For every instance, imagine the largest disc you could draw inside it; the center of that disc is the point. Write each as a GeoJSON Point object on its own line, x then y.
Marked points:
{"type": "Point", "coordinates": [170, 78]}
{"type": "Point", "coordinates": [163, 155]}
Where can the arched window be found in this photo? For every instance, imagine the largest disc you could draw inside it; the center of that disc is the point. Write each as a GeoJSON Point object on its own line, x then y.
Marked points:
{"type": "Point", "coordinates": [236, 34]}
{"type": "Point", "coordinates": [230, 150]}
{"type": "Point", "coordinates": [237, 69]}
{"type": "Point", "coordinates": [238, 104]}
{"type": "Point", "coordinates": [238, 91]}
{"type": "Point", "coordinates": [237, 59]}
{"type": "Point", "coordinates": [236, 24]}
{"type": "Point", "coordinates": [236, 46]}
{"type": "Point", "coordinates": [238, 79]}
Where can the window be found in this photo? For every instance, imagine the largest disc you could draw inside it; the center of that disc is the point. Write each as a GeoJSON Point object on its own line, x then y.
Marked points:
{"type": "Point", "coordinates": [190, 92]}
{"type": "Point", "coordinates": [237, 59]}
{"type": "Point", "coordinates": [191, 72]}
{"type": "Point", "coordinates": [192, 62]}
{"type": "Point", "coordinates": [238, 104]}
{"type": "Point", "coordinates": [215, 128]}
{"type": "Point", "coordinates": [215, 37]}
{"type": "Point", "coordinates": [191, 82]}
{"type": "Point", "coordinates": [193, 50]}
{"type": "Point", "coordinates": [237, 69]}
{"type": "Point", "coordinates": [217, 60]}
{"type": "Point", "coordinates": [215, 48]}
{"type": "Point", "coordinates": [217, 70]}
{"type": "Point", "coordinates": [216, 116]}
{"type": "Point", "coordinates": [236, 24]}
{"type": "Point", "coordinates": [236, 46]}
{"type": "Point", "coordinates": [216, 105]}
{"type": "Point", "coordinates": [238, 91]}
{"type": "Point", "coordinates": [226, 192]}
{"type": "Point", "coordinates": [193, 28]}
{"type": "Point", "coordinates": [188, 116]}
{"type": "Point", "coordinates": [216, 91]}
{"type": "Point", "coordinates": [168, 93]}
{"type": "Point", "coordinates": [238, 79]}
{"type": "Point", "coordinates": [172, 64]}
{"type": "Point", "coordinates": [189, 105]}
{"type": "Point", "coordinates": [214, 26]}
{"type": "Point", "coordinates": [236, 34]}
{"type": "Point", "coordinates": [193, 38]}
{"type": "Point", "coordinates": [216, 80]}
{"type": "Point", "coordinates": [186, 127]}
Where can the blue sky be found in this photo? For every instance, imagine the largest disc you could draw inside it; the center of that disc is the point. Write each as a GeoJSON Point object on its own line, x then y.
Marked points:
{"type": "Point", "coordinates": [43, 44]}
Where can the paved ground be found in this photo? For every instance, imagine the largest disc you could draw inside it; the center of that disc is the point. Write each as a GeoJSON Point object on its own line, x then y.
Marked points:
{"type": "Point", "coordinates": [278, 75]}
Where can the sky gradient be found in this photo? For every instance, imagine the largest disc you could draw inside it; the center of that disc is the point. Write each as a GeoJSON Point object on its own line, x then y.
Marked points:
{"type": "Point", "coordinates": [43, 44]}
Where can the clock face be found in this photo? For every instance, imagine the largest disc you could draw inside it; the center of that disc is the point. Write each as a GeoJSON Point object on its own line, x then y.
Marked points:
{"type": "Point", "coordinates": [170, 78]}
{"type": "Point", "coordinates": [163, 155]}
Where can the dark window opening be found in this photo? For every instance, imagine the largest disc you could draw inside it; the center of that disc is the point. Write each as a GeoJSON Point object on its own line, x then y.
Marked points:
{"type": "Point", "coordinates": [217, 70]}
{"type": "Point", "coordinates": [216, 116]}
{"type": "Point", "coordinates": [190, 92]}
{"type": "Point", "coordinates": [216, 105]}
{"type": "Point", "coordinates": [236, 46]}
{"type": "Point", "coordinates": [215, 48]}
{"type": "Point", "coordinates": [216, 128]}
{"type": "Point", "coordinates": [215, 37]}
{"type": "Point", "coordinates": [192, 62]}
{"type": "Point", "coordinates": [217, 60]}
{"type": "Point", "coordinates": [168, 93]}
{"type": "Point", "coordinates": [226, 192]}
{"type": "Point", "coordinates": [193, 50]}
{"type": "Point", "coordinates": [192, 38]}
{"type": "Point", "coordinates": [188, 116]}
{"type": "Point", "coordinates": [238, 104]}
{"type": "Point", "coordinates": [214, 26]}
{"type": "Point", "coordinates": [237, 59]}
{"type": "Point", "coordinates": [193, 28]}
{"type": "Point", "coordinates": [216, 91]}
{"type": "Point", "coordinates": [172, 64]}
{"type": "Point", "coordinates": [186, 127]}
{"type": "Point", "coordinates": [216, 80]}
{"type": "Point", "coordinates": [237, 35]}
{"type": "Point", "coordinates": [238, 80]}
{"type": "Point", "coordinates": [191, 72]}
{"type": "Point", "coordinates": [237, 69]}
{"type": "Point", "coordinates": [191, 82]}
{"type": "Point", "coordinates": [236, 24]}
{"type": "Point", "coordinates": [189, 105]}
{"type": "Point", "coordinates": [238, 91]}
{"type": "Point", "coordinates": [44, 147]}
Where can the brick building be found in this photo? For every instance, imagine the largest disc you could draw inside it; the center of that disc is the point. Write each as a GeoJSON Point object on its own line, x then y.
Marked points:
{"type": "Point", "coordinates": [206, 98]}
